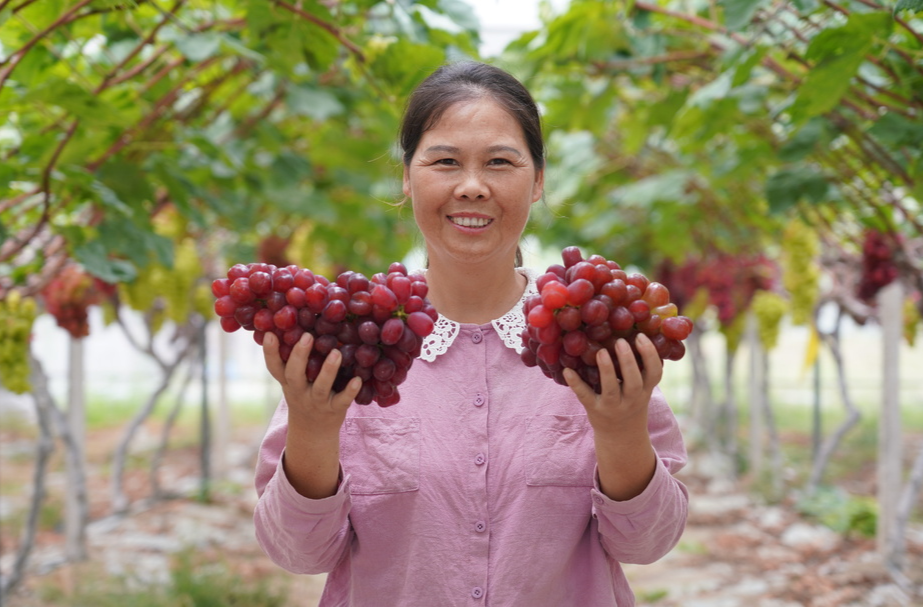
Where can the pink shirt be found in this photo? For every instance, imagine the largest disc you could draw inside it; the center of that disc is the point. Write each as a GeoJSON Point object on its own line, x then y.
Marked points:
{"type": "Point", "coordinates": [478, 488]}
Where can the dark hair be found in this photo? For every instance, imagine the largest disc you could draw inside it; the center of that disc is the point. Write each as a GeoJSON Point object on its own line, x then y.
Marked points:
{"type": "Point", "coordinates": [464, 81]}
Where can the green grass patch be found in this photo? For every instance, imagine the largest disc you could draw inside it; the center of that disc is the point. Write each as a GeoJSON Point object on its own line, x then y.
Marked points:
{"type": "Point", "coordinates": [193, 583]}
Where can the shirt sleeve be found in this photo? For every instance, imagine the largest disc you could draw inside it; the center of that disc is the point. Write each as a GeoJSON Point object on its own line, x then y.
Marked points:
{"type": "Point", "coordinates": [645, 528]}
{"type": "Point", "coordinates": [299, 534]}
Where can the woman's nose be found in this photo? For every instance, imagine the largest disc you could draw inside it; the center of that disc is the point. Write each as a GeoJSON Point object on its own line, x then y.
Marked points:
{"type": "Point", "coordinates": [472, 186]}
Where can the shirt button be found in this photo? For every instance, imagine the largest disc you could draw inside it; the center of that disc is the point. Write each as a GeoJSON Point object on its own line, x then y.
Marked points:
{"type": "Point", "coordinates": [476, 337]}
{"type": "Point", "coordinates": [480, 526]}
{"type": "Point", "coordinates": [480, 459]}
{"type": "Point", "coordinates": [598, 499]}
{"type": "Point", "coordinates": [478, 400]}
{"type": "Point", "coordinates": [477, 592]}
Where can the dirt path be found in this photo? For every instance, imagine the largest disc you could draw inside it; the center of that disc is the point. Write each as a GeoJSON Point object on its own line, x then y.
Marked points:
{"type": "Point", "coordinates": [734, 552]}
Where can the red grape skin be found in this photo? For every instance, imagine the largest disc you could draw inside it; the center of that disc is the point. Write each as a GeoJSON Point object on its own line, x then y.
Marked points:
{"type": "Point", "coordinates": [225, 306]}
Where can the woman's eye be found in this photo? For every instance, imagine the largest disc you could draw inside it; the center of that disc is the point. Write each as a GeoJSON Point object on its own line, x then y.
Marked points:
{"type": "Point", "coordinates": [446, 161]}
{"type": "Point", "coordinates": [499, 161]}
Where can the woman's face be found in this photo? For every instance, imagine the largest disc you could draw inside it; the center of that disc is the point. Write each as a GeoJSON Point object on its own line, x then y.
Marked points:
{"type": "Point", "coordinates": [472, 182]}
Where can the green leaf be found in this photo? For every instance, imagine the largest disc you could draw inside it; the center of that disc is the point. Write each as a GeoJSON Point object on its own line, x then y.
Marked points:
{"type": "Point", "coordinates": [73, 98]}
{"type": "Point", "coordinates": [914, 6]}
{"type": "Point", "coordinates": [739, 13]}
{"type": "Point", "coordinates": [787, 187]}
{"type": "Point", "coordinates": [404, 64]}
{"type": "Point", "coordinates": [95, 259]}
{"type": "Point", "coordinates": [317, 103]}
{"type": "Point", "coordinates": [804, 141]}
{"type": "Point", "coordinates": [895, 130]}
{"type": "Point", "coordinates": [199, 46]}
{"type": "Point", "coordinates": [837, 54]}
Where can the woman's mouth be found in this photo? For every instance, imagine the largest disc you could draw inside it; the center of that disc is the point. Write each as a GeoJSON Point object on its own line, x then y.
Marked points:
{"type": "Point", "coordinates": [470, 222]}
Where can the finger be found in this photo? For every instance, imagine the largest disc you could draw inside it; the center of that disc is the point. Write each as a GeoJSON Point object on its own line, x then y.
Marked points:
{"type": "Point", "coordinates": [298, 361]}
{"type": "Point", "coordinates": [631, 374]}
{"type": "Point", "coordinates": [609, 381]}
{"type": "Point", "coordinates": [345, 398]}
{"type": "Point", "coordinates": [653, 366]}
{"type": "Point", "coordinates": [328, 374]}
{"type": "Point", "coordinates": [581, 389]}
{"type": "Point", "coordinates": [271, 356]}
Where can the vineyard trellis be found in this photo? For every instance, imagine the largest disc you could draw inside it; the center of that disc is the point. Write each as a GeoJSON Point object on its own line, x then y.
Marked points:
{"type": "Point", "coordinates": [147, 142]}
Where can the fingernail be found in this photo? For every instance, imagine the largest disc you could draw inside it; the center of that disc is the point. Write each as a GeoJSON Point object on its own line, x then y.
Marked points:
{"type": "Point", "coordinates": [622, 345]}
{"type": "Point", "coordinates": [304, 339]}
{"type": "Point", "coordinates": [269, 338]}
{"type": "Point", "coordinates": [643, 338]}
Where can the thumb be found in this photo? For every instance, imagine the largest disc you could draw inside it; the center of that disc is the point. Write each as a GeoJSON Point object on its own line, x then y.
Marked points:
{"type": "Point", "coordinates": [581, 389]}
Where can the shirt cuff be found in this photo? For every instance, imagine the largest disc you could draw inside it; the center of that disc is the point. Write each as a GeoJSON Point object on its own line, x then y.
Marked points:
{"type": "Point", "coordinates": [635, 504]}
{"type": "Point", "coordinates": [306, 505]}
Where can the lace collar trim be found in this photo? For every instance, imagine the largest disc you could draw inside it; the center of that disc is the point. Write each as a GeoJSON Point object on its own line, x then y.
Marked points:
{"type": "Point", "coordinates": [509, 326]}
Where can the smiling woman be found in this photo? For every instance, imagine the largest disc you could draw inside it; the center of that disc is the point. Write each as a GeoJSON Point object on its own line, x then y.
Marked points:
{"type": "Point", "coordinates": [487, 483]}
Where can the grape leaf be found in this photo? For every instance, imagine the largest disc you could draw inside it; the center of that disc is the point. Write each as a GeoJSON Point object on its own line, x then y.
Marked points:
{"type": "Point", "coordinates": [914, 6]}
{"type": "Point", "coordinates": [837, 54]}
{"type": "Point", "coordinates": [739, 13]}
{"type": "Point", "coordinates": [788, 186]}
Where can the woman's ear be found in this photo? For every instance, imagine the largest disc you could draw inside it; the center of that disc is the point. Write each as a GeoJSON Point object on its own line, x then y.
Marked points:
{"type": "Point", "coordinates": [538, 188]}
{"type": "Point", "coordinates": [406, 186]}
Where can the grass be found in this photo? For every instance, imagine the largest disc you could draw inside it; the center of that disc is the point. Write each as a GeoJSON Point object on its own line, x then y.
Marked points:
{"type": "Point", "coordinates": [194, 582]}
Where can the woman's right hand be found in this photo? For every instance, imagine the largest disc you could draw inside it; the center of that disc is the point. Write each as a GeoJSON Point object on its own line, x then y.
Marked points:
{"type": "Point", "coordinates": [315, 414]}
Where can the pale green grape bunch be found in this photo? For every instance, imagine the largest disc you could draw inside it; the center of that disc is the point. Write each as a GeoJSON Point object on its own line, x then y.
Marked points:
{"type": "Point", "coordinates": [170, 294]}
{"type": "Point", "coordinates": [769, 308]}
{"type": "Point", "coordinates": [800, 274]}
{"type": "Point", "coordinates": [16, 317]}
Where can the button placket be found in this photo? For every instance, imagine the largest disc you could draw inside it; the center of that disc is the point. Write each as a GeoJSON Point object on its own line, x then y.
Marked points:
{"type": "Point", "coordinates": [477, 337]}
{"type": "Point", "coordinates": [477, 592]}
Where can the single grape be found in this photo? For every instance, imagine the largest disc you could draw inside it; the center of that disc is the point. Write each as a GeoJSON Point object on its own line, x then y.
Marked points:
{"type": "Point", "coordinates": [240, 291]}
{"type": "Point", "coordinates": [285, 318]}
{"type": "Point", "coordinates": [391, 331]}
{"type": "Point", "coordinates": [420, 323]}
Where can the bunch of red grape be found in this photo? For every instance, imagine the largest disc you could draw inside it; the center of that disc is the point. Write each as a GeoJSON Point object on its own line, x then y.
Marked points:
{"type": "Point", "coordinates": [376, 323]}
{"type": "Point", "coordinates": [584, 306]}
{"type": "Point", "coordinates": [878, 267]}
{"type": "Point", "coordinates": [70, 294]}
{"type": "Point", "coordinates": [733, 280]}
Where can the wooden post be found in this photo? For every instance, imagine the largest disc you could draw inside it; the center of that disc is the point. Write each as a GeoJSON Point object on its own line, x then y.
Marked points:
{"type": "Point", "coordinates": [75, 463]}
{"type": "Point", "coordinates": [890, 304]}
{"type": "Point", "coordinates": [755, 396]}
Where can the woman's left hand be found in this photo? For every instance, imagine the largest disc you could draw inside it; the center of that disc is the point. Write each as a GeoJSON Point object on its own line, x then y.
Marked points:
{"type": "Point", "coordinates": [625, 457]}
{"type": "Point", "coordinates": [621, 405]}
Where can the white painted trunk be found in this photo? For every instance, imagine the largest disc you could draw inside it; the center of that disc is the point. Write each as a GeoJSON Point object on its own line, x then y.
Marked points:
{"type": "Point", "coordinates": [890, 304]}
{"type": "Point", "coordinates": [75, 463]}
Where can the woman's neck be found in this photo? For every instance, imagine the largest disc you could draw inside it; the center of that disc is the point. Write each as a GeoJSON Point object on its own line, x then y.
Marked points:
{"type": "Point", "coordinates": [474, 294]}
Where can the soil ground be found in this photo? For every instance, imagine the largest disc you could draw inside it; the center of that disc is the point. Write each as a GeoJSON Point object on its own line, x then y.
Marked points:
{"type": "Point", "coordinates": [737, 551]}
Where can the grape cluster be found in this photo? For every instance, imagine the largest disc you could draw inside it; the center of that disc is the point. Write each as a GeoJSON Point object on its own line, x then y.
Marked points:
{"type": "Point", "coordinates": [878, 267]}
{"type": "Point", "coordinates": [16, 317]}
{"type": "Point", "coordinates": [769, 308]}
{"type": "Point", "coordinates": [169, 293]}
{"type": "Point", "coordinates": [584, 306]}
{"type": "Point", "coordinates": [378, 323]}
{"type": "Point", "coordinates": [732, 281]}
{"type": "Point", "coordinates": [800, 273]}
{"type": "Point", "coordinates": [69, 295]}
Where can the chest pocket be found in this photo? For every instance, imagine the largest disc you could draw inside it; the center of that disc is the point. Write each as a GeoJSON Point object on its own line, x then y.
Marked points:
{"type": "Point", "coordinates": [559, 451]}
{"type": "Point", "coordinates": [381, 454]}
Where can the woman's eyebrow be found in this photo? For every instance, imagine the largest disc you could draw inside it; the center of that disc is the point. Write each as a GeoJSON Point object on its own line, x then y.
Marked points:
{"type": "Point", "coordinates": [451, 149]}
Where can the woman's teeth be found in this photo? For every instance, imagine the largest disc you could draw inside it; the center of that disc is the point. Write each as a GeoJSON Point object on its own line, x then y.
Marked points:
{"type": "Point", "coordinates": [470, 222]}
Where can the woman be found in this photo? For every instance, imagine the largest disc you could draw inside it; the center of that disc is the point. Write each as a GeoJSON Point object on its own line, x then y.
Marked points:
{"type": "Point", "coordinates": [488, 484]}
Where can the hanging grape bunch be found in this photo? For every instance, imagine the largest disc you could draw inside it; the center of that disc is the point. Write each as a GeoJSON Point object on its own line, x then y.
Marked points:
{"type": "Point", "coordinates": [878, 267]}
{"type": "Point", "coordinates": [377, 324]}
{"type": "Point", "coordinates": [584, 306]}
{"type": "Point", "coordinates": [70, 294]}
{"type": "Point", "coordinates": [16, 317]}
